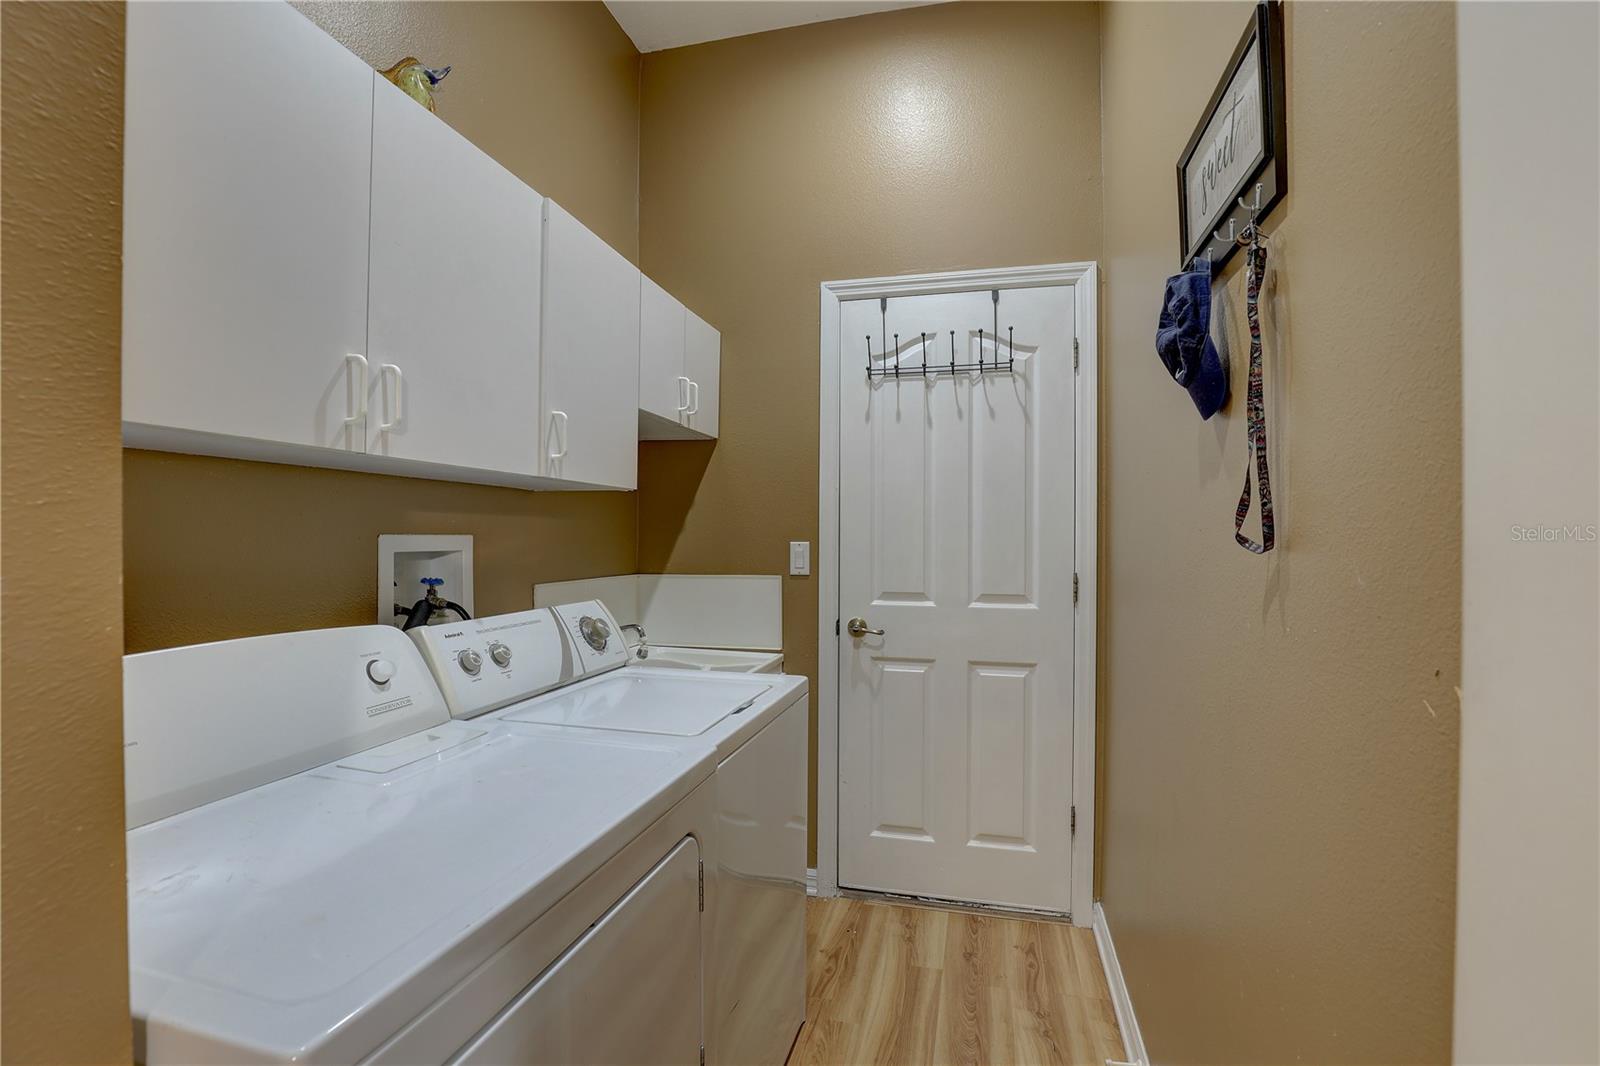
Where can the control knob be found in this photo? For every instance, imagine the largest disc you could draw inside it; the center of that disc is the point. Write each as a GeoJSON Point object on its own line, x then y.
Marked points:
{"type": "Point", "coordinates": [594, 631]}
{"type": "Point", "coordinates": [500, 654]}
{"type": "Point", "coordinates": [470, 661]}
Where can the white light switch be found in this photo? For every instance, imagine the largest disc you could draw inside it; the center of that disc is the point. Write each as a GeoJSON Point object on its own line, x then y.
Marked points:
{"type": "Point", "coordinates": [799, 558]}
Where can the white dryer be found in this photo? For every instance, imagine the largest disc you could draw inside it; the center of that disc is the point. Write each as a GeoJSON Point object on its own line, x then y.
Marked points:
{"type": "Point", "coordinates": [756, 724]}
{"type": "Point", "coordinates": [323, 867]}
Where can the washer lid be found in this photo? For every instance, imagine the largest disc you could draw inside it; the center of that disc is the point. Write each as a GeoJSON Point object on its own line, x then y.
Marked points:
{"type": "Point", "coordinates": [633, 703]}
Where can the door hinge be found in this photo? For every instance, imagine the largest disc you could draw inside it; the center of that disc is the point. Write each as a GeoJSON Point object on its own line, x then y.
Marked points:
{"type": "Point", "coordinates": [1074, 355]}
{"type": "Point", "coordinates": [702, 880]}
{"type": "Point", "coordinates": [702, 1055]}
{"type": "Point", "coordinates": [1073, 822]}
{"type": "Point", "coordinates": [1074, 587]}
{"type": "Point", "coordinates": [835, 627]}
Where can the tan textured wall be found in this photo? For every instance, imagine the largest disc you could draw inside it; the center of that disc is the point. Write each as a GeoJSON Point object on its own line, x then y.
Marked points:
{"type": "Point", "coordinates": [1282, 733]}
{"type": "Point", "coordinates": [61, 861]}
{"type": "Point", "coordinates": [938, 138]}
{"type": "Point", "coordinates": [219, 548]}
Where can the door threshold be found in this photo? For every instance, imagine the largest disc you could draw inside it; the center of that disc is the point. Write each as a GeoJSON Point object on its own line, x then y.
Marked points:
{"type": "Point", "coordinates": [966, 906]}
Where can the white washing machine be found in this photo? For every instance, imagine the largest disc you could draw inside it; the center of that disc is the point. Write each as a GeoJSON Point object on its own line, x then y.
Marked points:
{"type": "Point", "coordinates": [756, 724]}
{"type": "Point", "coordinates": [324, 867]}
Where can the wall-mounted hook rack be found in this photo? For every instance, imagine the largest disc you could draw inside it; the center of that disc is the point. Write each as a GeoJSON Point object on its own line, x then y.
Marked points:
{"type": "Point", "coordinates": [1221, 245]}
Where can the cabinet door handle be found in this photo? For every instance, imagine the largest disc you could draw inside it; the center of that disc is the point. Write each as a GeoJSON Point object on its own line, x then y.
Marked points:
{"type": "Point", "coordinates": [358, 389]}
{"type": "Point", "coordinates": [683, 394]}
{"type": "Point", "coordinates": [558, 435]}
{"type": "Point", "coordinates": [399, 390]}
{"type": "Point", "coordinates": [694, 397]}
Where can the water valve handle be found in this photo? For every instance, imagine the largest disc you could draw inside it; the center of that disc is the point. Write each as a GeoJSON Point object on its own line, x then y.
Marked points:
{"type": "Point", "coordinates": [433, 582]}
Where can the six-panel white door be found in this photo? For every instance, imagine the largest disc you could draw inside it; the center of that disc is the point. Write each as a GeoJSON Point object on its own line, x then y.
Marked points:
{"type": "Point", "coordinates": [956, 539]}
{"type": "Point", "coordinates": [454, 308]}
{"type": "Point", "coordinates": [247, 162]}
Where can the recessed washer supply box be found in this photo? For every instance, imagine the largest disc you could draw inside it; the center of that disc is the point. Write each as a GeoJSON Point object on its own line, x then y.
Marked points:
{"type": "Point", "coordinates": [404, 559]}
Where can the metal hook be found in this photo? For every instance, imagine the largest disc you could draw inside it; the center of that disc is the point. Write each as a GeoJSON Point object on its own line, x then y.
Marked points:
{"type": "Point", "coordinates": [869, 357]}
{"type": "Point", "coordinates": [1231, 234]}
{"type": "Point", "coordinates": [994, 298]}
{"type": "Point", "coordinates": [1256, 209]}
{"type": "Point", "coordinates": [924, 337]}
{"type": "Point", "coordinates": [952, 352]}
{"type": "Point", "coordinates": [897, 355]}
{"type": "Point", "coordinates": [980, 351]}
{"type": "Point", "coordinates": [1011, 348]}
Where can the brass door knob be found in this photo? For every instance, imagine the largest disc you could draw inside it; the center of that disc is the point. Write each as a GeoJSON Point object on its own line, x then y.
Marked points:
{"type": "Point", "coordinates": [858, 628]}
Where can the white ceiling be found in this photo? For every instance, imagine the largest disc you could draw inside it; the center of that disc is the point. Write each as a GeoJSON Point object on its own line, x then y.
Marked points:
{"type": "Point", "coordinates": [655, 25]}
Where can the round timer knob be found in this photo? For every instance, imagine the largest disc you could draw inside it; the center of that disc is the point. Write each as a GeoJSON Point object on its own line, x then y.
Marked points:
{"type": "Point", "coordinates": [500, 654]}
{"type": "Point", "coordinates": [594, 631]}
{"type": "Point", "coordinates": [380, 671]}
{"type": "Point", "coordinates": [470, 661]}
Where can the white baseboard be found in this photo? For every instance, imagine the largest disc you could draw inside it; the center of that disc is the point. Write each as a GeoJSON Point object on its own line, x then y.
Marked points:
{"type": "Point", "coordinates": [811, 880]}
{"type": "Point", "coordinates": [1132, 1040]}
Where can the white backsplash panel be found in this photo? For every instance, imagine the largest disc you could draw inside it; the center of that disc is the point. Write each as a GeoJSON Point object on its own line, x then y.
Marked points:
{"type": "Point", "coordinates": [743, 611]}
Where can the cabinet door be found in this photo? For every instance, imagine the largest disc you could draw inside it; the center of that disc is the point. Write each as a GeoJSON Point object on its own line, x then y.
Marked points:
{"type": "Point", "coordinates": [590, 357]}
{"type": "Point", "coordinates": [454, 309]}
{"type": "Point", "coordinates": [663, 387]}
{"type": "Point", "coordinates": [703, 363]}
{"type": "Point", "coordinates": [245, 195]}
{"type": "Point", "coordinates": [628, 992]}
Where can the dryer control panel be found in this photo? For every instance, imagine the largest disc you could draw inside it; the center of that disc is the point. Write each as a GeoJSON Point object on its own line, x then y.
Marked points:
{"type": "Point", "coordinates": [204, 722]}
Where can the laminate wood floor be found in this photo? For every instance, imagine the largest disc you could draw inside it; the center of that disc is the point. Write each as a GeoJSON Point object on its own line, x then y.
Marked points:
{"type": "Point", "coordinates": [888, 983]}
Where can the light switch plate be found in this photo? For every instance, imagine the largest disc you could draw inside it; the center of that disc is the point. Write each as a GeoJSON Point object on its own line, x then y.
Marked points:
{"type": "Point", "coordinates": [799, 558]}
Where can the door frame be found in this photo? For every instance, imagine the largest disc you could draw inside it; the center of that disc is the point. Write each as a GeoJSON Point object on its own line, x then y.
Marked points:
{"type": "Point", "coordinates": [1083, 279]}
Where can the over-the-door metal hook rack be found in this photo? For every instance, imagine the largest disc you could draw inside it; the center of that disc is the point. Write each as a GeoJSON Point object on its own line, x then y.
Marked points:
{"type": "Point", "coordinates": [927, 369]}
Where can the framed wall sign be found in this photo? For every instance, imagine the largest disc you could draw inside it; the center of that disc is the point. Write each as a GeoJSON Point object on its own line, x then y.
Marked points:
{"type": "Point", "coordinates": [1239, 142]}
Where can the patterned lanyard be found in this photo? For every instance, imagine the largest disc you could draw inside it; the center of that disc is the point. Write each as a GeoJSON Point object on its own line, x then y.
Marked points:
{"type": "Point", "coordinates": [1256, 420]}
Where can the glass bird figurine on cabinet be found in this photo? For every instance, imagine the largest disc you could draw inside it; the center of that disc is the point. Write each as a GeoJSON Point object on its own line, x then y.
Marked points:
{"type": "Point", "coordinates": [417, 81]}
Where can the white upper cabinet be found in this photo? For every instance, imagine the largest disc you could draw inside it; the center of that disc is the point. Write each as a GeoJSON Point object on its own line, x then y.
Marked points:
{"type": "Point", "coordinates": [679, 368]}
{"type": "Point", "coordinates": [702, 363]}
{"type": "Point", "coordinates": [247, 160]}
{"type": "Point", "coordinates": [663, 385]}
{"type": "Point", "coordinates": [453, 315]}
{"type": "Point", "coordinates": [318, 270]}
{"type": "Point", "coordinates": [590, 356]}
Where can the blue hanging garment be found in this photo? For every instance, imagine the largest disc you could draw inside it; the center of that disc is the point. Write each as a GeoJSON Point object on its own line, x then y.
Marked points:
{"type": "Point", "coordinates": [1183, 339]}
